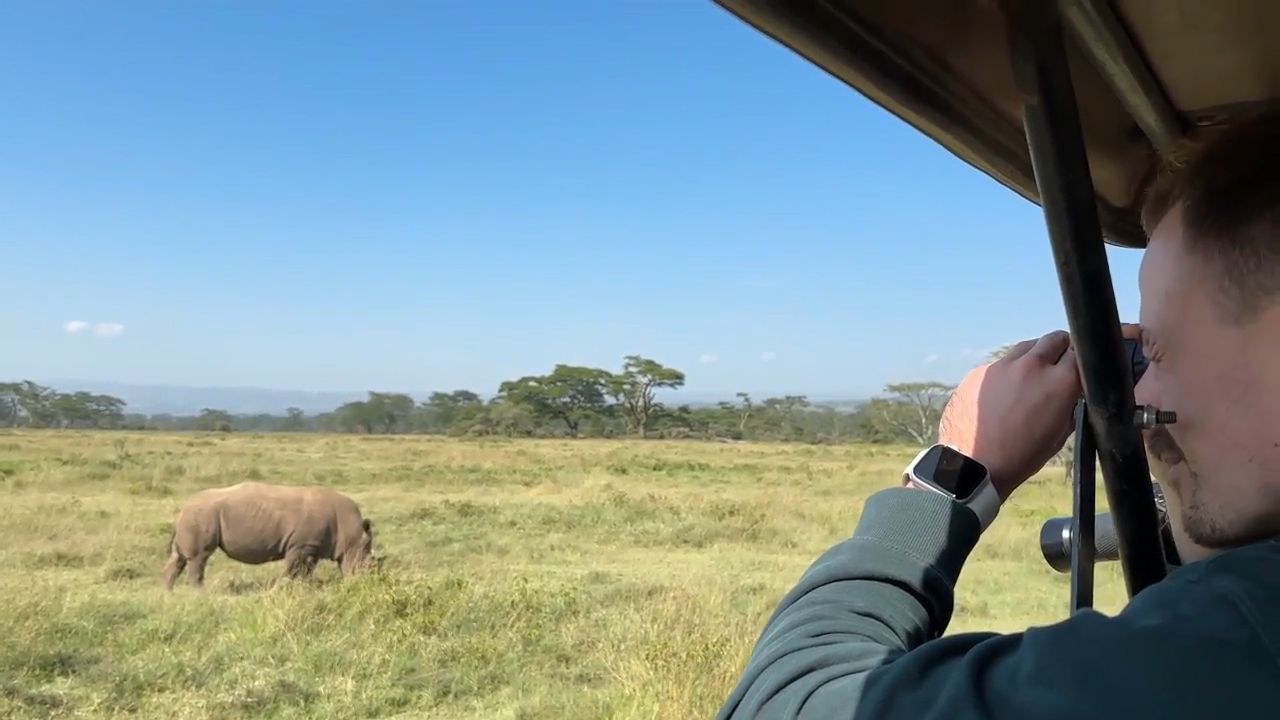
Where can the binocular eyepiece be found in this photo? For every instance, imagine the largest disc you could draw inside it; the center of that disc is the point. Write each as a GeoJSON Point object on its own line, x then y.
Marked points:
{"type": "Point", "coordinates": [1145, 416]}
{"type": "Point", "coordinates": [1137, 359]}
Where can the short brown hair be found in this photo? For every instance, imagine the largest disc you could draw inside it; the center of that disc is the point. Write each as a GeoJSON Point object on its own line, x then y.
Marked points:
{"type": "Point", "coordinates": [1228, 187]}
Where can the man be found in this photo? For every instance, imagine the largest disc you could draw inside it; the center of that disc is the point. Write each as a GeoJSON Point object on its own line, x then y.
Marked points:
{"type": "Point", "coordinates": [860, 636]}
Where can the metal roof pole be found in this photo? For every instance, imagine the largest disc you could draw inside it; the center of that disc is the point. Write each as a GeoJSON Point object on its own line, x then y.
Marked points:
{"type": "Point", "coordinates": [1054, 137]}
{"type": "Point", "coordinates": [1105, 42]}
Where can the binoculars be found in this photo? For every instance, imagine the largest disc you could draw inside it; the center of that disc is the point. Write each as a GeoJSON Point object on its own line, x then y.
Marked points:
{"type": "Point", "coordinates": [1056, 535]}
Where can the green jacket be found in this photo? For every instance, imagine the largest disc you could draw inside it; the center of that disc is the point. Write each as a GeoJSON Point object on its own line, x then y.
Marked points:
{"type": "Point", "coordinates": [860, 637]}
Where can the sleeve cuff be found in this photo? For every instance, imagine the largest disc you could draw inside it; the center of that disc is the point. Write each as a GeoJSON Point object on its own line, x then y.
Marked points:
{"type": "Point", "coordinates": [930, 527]}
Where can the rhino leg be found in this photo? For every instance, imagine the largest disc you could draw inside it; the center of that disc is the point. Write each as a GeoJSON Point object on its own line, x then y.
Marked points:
{"type": "Point", "coordinates": [299, 562]}
{"type": "Point", "coordinates": [195, 571]}
{"type": "Point", "coordinates": [173, 568]}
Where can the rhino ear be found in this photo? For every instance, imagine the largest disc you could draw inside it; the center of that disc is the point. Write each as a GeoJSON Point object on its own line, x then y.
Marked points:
{"type": "Point", "coordinates": [368, 526]}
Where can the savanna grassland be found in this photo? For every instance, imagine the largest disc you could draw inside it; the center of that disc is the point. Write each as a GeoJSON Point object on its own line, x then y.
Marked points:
{"type": "Point", "coordinates": [523, 579]}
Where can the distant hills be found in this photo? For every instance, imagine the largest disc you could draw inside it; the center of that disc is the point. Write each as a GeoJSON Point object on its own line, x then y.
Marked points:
{"type": "Point", "coordinates": [189, 400]}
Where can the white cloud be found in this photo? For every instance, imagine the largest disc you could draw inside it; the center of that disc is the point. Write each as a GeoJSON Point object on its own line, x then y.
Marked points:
{"type": "Point", "coordinates": [932, 359]}
{"type": "Point", "coordinates": [707, 359]}
{"type": "Point", "coordinates": [768, 356]}
{"type": "Point", "coordinates": [107, 330]}
{"type": "Point", "coordinates": [76, 326]}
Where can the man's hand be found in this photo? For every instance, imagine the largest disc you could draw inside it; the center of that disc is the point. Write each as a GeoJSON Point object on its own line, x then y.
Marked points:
{"type": "Point", "coordinates": [1014, 414]}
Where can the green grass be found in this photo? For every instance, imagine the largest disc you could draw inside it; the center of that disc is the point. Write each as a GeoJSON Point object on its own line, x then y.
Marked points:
{"type": "Point", "coordinates": [523, 580]}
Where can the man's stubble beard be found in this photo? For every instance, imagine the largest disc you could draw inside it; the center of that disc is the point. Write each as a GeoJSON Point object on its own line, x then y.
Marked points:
{"type": "Point", "coordinates": [1200, 522]}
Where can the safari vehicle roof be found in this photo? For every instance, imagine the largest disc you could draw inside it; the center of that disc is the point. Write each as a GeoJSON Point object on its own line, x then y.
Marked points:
{"type": "Point", "coordinates": [1146, 73]}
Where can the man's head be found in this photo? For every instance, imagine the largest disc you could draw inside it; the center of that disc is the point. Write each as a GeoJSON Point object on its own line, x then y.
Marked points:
{"type": "Point", "coordinates": [1210, 287]}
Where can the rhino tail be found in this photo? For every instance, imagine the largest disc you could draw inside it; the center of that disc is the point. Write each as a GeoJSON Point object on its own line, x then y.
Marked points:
{"type": "Point", "coordinates": [175, 563]}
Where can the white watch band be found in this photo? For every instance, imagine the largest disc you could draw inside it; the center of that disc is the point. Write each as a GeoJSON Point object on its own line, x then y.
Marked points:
{"type": "Point", "coordinates": [984, 502]}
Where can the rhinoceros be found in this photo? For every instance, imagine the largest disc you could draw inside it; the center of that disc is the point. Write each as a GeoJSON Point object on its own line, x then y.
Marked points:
{"type": "Point", "coordinates": [255, 523]}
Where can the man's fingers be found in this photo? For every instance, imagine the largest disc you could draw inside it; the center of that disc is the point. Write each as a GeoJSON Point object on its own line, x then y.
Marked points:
{"type": "Point", "coordinates": [1019, 350]}
{"type": "Point", "coordinates": [1050, 348]}
{"type": "Point", "coordinates": [1131, 331]}
{"type": "Point", "coordinates": [1070, 364]}
{"type": "Point", "coordinates": [1067, 359]}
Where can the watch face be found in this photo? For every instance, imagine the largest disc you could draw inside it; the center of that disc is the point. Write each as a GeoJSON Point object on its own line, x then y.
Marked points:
{"type": "Point", "coordinates": [951, 471]}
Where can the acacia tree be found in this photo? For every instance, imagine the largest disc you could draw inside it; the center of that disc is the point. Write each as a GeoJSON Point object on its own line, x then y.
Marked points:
{"type": "Point", "coordinates": [443, 410]}
{"type": "Point", "coordinates": [744, 412]}
{"type": "Point", "coordinates": [36, 403]}
{"type": "Point", "coordinates": [389, 411]}
{"type": "Point", "coordinates": [213, 419]}
{"type": "Point", "coordinates": [634, 388]}
{"type": "Point", "coordinates": [912, 410]}
{"type": "Point", "coordinates": [570, 394]}
{"type": "Point", "coordinates": [85, 409]}
{"type": "Point", "coordinates": [295, 420]}
{"type": "Point", "coordinates": [10, 408]}
{"type": "Point", "coordinates": [27, 403]}
{"type": "Point", "coordinates": [781, 418]}
{"type": "Point", "coordinates": [106, 410]}
{"type": "Point", "coordinates": [381, 412]}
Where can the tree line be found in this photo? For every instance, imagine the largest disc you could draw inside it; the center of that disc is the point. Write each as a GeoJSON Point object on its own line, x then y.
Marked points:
{"type": "Point", "coordinates": [569, 401]}
{"type": "Point", "coordinates": [27, 404]}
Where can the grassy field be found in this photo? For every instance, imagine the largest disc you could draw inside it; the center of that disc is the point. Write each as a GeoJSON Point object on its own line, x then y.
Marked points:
{"type": "Point", "coordinates": [523, 579]}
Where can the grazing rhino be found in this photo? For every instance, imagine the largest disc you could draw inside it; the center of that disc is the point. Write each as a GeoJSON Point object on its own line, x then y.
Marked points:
{"type": "Point", "coordinates": [255, 523]}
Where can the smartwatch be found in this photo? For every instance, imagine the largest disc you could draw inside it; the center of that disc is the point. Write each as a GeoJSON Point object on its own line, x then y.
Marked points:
{"type": "Point", "coordinates": [945, 470]}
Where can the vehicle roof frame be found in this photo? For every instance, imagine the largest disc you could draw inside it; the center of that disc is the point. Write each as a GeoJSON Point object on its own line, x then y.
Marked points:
{"type": "Point", "coordinates": [1044, 161]}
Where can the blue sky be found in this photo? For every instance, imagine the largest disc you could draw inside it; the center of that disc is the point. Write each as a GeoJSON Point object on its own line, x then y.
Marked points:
{"type": "Point", "coordinates": [419, 196]}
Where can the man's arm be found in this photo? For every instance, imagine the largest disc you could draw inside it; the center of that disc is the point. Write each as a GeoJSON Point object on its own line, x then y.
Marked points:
{"type": "Point", "coordinates": [860, 636]}
{"type": "Point", "coordinates": [870, 612]}
{"type": "Point", "coordinates": [883, 592]}
{"type": "Point", "coordinates": [859, 639]}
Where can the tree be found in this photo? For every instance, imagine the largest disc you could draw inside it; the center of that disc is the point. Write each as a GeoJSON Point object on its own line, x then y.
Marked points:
{"type": "Point", "coordinates": [635, 387]}
{"type": "Point", "coordinates": [355, 415]}
{"type": "Point", "coordinates": [70, 410]}
{"type": "Point", "coordinates": [674, 423]}
{"type": "Point", "coordinates": [389, 411]}
{"type": "Point", "coordinates": [295, 420]}
{"type": "Point", "coordinates": [380, 413]}
{"type": "Point", "coordinates": [107, 410]}
{"type": "Point", "coordinates": [36, 403]}
{"type": "Point", "coordinates": [911, 412]}
{"type": "Point", "coordinates": [569, 394]}
{"type": "Point", "coordinates": [498, 417]}
{"type": "Point", "coordinates": [744, 413]}
{"type": "Point", "coordinates": [443, 410]}
{"type": "Point", "coordinates": [213, 419]}
{"type": "Point", "coordinates": [782, 418]}
{"type": "Point", "coordinates": [85, 410]}
{"type": "Point", "coordinates": [10, 408]}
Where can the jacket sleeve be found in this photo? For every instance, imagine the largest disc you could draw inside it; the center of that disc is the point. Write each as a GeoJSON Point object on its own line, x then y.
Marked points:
{"type": "Point", "coordinates": [860, 635]}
